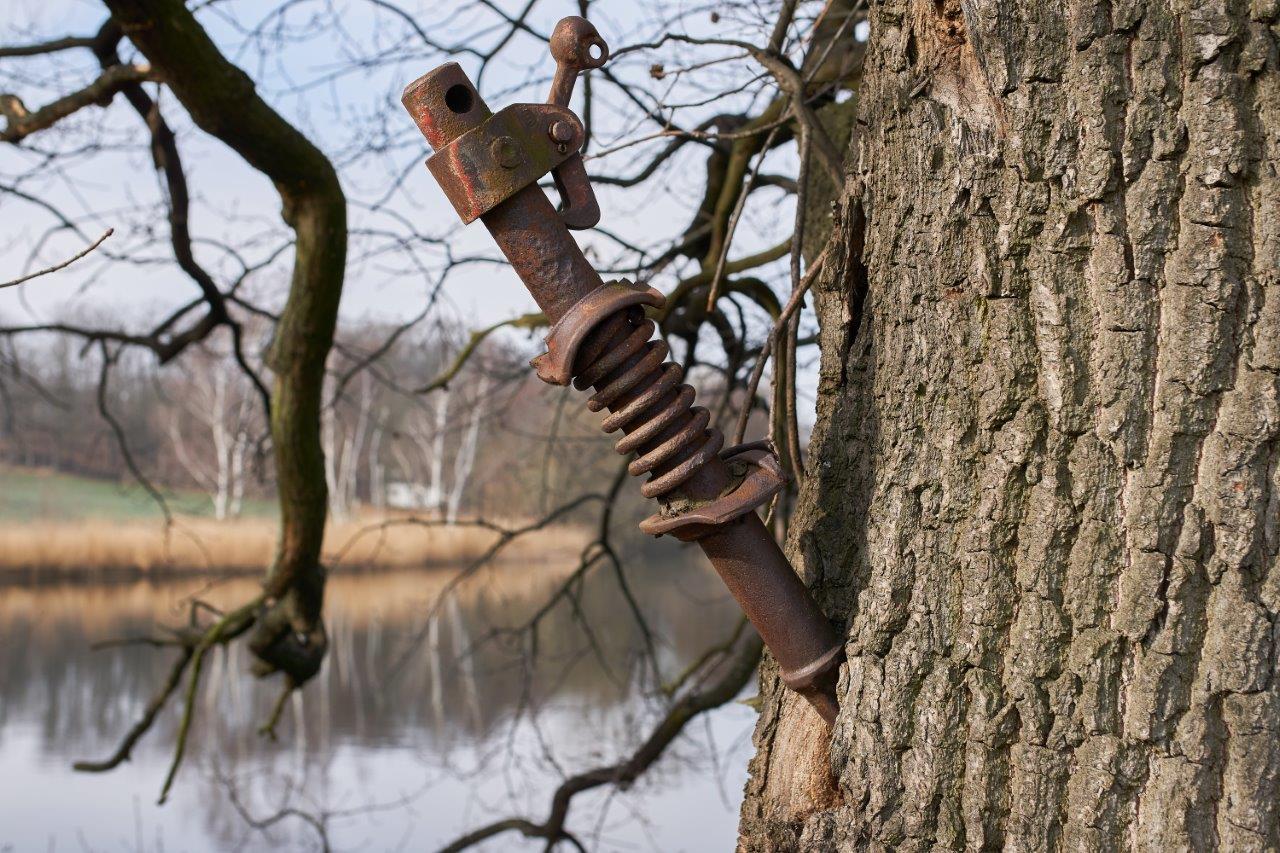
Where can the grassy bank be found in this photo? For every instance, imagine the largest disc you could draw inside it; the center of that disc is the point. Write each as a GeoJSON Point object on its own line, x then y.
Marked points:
{"type": "Point", "coordinates": [55, 526]}
{"type": "Point", "coordinates": [36, 494]}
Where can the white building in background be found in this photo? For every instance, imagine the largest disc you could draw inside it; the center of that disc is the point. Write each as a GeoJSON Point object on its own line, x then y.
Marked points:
{"type": "Point", "coordinates": [401, 495]}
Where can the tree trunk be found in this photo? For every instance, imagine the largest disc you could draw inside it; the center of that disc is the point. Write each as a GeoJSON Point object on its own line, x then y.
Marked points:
{"type": "Point", "coordinates": [1044, 487]}
{"type": "Point", "coordinates": [222, 101]}
{"type": "Point", "coordinates": [464, 461]}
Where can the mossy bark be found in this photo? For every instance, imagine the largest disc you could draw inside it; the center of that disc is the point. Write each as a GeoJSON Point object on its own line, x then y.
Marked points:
{"type": "Point", "coordinates": [222, 101]}
{"type": "Point", "coordinates": [1044, 488]}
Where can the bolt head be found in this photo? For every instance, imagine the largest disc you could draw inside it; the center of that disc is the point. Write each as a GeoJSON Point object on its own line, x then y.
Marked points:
{"type": "Point", "coordinates": [561, 131]}
{"type": "Point", "coordinates": [506, 152]}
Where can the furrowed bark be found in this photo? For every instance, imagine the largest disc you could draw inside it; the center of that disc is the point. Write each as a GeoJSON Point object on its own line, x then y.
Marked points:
{"type": "Point", "coordinates": [221, 100]}
{"type": "Point", "coordinates": [1045, 478]}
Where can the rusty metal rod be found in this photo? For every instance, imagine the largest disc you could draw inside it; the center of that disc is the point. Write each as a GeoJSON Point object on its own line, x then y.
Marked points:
{"type": "Point", "coordinates": [531, 234]}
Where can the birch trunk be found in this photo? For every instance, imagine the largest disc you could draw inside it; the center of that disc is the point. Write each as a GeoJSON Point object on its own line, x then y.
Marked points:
{"type": "Point", "coordinates": [435, 488]}
{"type": "Point", "coordinates": [374, 464]}
{"type": "Point", "coordinates": [1043, 492]}
{"type": "Point", "coordinates": [465, 461]}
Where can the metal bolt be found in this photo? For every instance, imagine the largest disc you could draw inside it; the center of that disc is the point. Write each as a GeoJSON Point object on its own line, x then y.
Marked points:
{"type": "Point", "coordinates": [506, 152]}
{"type": "Point", "coordinates": [561, 131]}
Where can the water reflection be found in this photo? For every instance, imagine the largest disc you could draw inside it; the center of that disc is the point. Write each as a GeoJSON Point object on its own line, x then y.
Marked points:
{"type": "Point", "coordinates": [401, 751]}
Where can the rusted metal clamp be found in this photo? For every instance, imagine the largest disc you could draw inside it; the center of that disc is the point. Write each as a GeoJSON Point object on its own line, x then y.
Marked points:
{"type": "Point", "coordinates": [555, 366]}
{"type": "Point", "coordinates": [757, 478]}
{"type": "Point", "coordinates": [510, 150]}
{"type": "Point", "coordinates": [489, 162]}
{"type": "Point", "coordinates": [601, 339]}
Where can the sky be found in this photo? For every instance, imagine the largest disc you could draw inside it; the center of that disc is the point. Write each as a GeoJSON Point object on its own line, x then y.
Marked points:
{"type": "Point", "coordinates": [335, 68]}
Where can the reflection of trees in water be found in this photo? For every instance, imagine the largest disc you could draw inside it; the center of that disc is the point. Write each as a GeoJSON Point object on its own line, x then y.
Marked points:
{"type": "Point", "coordinates": [451, 695]}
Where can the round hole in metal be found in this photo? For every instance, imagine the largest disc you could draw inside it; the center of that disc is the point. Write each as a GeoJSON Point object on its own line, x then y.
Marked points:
{"type": "Point", "coordinates": [458, 99]}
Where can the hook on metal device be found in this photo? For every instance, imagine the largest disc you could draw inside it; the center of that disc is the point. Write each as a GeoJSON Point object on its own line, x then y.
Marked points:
{"type": "Point", "coordinates": [576, 47]}
{"type": "Point", "coordinates": [489, 165]}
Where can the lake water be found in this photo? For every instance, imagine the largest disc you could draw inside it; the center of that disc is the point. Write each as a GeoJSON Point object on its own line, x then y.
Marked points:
{"type": "Point", "coordinates": [399, 743]}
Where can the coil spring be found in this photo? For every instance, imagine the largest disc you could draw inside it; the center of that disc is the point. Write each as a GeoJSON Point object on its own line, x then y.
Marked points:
{"type": "Point", "coordinates": [647, 400]}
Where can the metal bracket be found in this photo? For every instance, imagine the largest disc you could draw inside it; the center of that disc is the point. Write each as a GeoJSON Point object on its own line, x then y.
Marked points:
{"type": "Point", "coordinates": [510, 150]}
{"type": "Point", "coordinates": [761, 478]}
{"type": "Point", "coordinates": [555, 366]}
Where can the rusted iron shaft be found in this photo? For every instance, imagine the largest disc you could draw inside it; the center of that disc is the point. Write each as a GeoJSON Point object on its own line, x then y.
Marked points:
{"type": "Point", "coordinates": [599, 335]}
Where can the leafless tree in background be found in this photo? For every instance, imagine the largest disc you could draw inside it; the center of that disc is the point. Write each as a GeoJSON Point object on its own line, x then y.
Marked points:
{"type": "Point", "coordinates": [211, 427]}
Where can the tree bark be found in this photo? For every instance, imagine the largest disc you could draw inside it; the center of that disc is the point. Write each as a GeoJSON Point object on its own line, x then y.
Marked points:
{"type": "Point", "coordinates": [1044, 487]}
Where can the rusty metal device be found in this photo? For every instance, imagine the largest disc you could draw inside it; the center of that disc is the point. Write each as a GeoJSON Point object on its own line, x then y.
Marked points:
{"type": "Point", "coordinates": [488, 165]}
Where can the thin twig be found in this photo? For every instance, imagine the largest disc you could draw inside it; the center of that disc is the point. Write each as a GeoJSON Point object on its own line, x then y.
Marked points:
{"type": "Point", "coordinates": [227, 628]}
{"type": "Point", "coordinates": [524, 321]}
{"type": "Point", "coordinates": [140, 728]}
{"type": "Point", "coordinates": [723, 260]}
{"type": "Point", "coordinates": [793, 325]}
{"type": "Point", "coordinates": [62, 265]}
{"type": "Point", "coordinates": [268, 729]}
{"type": "Point", "coordinates": [715, 653]}
{"type": "Point", "coordinates": [797, 296]}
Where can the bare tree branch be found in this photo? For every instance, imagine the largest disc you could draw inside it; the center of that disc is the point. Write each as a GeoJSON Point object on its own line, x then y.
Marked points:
{"type": "Point", "coordinates": [46, 47]}
{"type": "Point", "coordinates": [22, 122]}
{"type": "Point", "coordinates": [525, 321]}
{"type": "Point", "coordinates": [125, 750]}
{"type": "Point", "coordinates": [796, 300]}
{"type": "Point", "coordinates": [723, 690]}
{"type": "Point", "coordinates": [62, 264]}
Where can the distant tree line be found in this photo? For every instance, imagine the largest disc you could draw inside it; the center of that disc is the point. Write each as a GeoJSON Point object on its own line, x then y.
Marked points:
{"type": "Point", "coordinates": [480, 443]}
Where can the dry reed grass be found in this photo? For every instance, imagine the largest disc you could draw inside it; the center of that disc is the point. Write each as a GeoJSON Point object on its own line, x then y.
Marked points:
{"type": "Point", "coordinates": [200, 545]}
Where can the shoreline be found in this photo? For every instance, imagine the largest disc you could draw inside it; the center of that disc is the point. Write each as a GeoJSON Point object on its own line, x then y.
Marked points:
{"type": "Point", "coordinates": [36, 577]}
{"type": "Point", "coordinates": [113, 551]}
